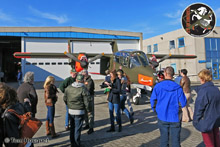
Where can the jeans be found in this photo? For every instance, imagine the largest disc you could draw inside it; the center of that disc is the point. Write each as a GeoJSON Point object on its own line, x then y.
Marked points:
{"type": "Point", "coordinates": [67, 117]}
{"type": "Point", "coordinates": [50, 113]}
{"type": "Point", "coordinates": [111, 107]}
{"type": "Point", "coordinates": [122, 106]}
{"type": "Point", "coordinates": [128, 102]}
{"type": "Point", "coordinates": [19, 82]}
{"type": "Point", "coordinates": [167, 129]}
{"type": "Point", "coordinates": [76, 122]}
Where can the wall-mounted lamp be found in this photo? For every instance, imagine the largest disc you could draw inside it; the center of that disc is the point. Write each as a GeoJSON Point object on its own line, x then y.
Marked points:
{"type": "Point", "coordinates": [214, 31]}
{"type": "Point", "coordinates": [161, 38]}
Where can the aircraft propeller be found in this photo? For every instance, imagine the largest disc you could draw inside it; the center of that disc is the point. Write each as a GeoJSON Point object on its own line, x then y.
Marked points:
{"type": "Point", "coordinates": [155, 63]}
{"type": "Point", "coordinates": [96, 57]}
{"type": "Point", "coordinates": [84, 63]}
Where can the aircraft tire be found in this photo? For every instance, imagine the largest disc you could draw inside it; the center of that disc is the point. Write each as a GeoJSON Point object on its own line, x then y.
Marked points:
{"type": "Point", "coordinates": [136, 100]}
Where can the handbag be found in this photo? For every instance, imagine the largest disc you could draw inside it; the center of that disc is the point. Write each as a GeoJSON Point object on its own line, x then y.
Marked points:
{"type": "Point", "coordinates": [28, 125]}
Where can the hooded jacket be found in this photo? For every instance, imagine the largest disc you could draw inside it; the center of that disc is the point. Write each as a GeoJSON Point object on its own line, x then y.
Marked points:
{"type": "Point", "coordinates": [166, 96]}
{"type": "Point", "coordinates": [77, 97]}
{"type": "Point", "coordinates": [207, 108]}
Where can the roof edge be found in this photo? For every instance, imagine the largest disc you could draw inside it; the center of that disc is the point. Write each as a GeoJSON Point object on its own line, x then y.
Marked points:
{"type": "Point", "coordinates": [69, 29]}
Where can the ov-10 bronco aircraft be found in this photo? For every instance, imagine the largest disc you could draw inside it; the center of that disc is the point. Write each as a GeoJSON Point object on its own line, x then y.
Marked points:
{"type": "Point", "coordinates": [135, 64]}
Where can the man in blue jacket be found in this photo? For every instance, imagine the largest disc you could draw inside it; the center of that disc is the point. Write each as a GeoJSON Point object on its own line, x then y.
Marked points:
{"type": "Point", "coordinates": [166, 97]}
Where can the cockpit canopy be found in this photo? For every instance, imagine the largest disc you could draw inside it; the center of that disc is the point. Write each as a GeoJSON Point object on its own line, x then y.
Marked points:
{"type": "Point", "coordinates": [131, 58]}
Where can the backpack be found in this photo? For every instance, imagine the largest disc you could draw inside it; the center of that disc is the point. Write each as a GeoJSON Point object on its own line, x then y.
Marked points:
{"type": "Point", "coordinates": [28, 125]}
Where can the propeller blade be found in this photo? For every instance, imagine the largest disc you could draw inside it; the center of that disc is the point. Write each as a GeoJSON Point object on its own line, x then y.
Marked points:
{"type": "Point", "coordinates": [154, 63]}
{"type": "Point", "coordinates": [96, 57]}
{"type": "Point", "coordinates": [72, 57]}
{"type": "Point", "coordinates": [164, 58]}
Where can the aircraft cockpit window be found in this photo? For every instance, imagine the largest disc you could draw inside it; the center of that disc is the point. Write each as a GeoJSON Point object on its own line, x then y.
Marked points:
{"type": "Point", "coordinates": [143, 58]}
{"type": "Point", "coordinates": [134, 61]}
{"type": "Point", "coordinates": [122, 58]}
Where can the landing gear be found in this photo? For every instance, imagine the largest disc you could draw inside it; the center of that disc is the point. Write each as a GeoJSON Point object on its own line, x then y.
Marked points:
{"type": "Point", "coordinates": [136, 98]}
{"type": "Point", "coordinates": [140, 93]}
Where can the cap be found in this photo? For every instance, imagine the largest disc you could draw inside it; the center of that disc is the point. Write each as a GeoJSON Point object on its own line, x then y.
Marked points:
{"type": "Point", "coordinates": [73, 70]}
{"type": "Point", "coordinates": [80, 77]}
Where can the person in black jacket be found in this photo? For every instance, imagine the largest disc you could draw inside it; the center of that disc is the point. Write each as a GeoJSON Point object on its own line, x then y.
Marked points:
{"type": "Point", "coordinates": [27, 93]}
{"type": "Point", "coordinates": [206, 118]}
{"type": "Point", "coordinates": [114, 101]}
{"type": "Point", "coordinates": [10, 122]}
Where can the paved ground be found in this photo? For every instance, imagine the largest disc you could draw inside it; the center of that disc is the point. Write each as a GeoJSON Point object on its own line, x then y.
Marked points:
{"type": "Point", "coordinates": [143, 132]}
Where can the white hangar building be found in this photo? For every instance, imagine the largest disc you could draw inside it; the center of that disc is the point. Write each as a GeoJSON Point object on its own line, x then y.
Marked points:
{"type": "Point", "coordinates": [55, 40]}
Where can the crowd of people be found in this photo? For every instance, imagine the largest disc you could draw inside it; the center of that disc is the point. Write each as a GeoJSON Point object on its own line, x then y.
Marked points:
{"type": "Point", "coordinates": [169, 99]}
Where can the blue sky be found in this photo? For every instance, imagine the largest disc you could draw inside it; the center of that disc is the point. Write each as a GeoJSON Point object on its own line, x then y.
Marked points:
{"type": "Point", "coordinates": [151, 17]}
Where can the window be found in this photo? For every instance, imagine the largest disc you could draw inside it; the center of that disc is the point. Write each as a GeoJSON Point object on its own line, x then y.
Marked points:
{"type": "Point", "coordinates": [155, 48]}
{"type": "Point", "coordinates": [181, 42]}
{"type": "Point", "coordinates": [53, 63]}
{"type": "Point", "coordinates": [34, 63]}
{"type": "Point", "coordinates": [92, 62]}
{"type": "Point", "coordinates": [122, 58]}
{"type": "Point", "coordinates": [97, 62]}
{"type": "Point", "coordinates": [134, 61]}
{"type": "Point", "coordinates": [149, 49]}
{"type": "Point", "coordinates": [28, 63]}
{"type": "Point", "coordinates": [174, 67]}
{"type": "Point", "coordinates": [66, 63]}
{"type": "Point", "coordinates": [59, 63]}
{"type": "Point", "coordinates": [172, 44]}
{"type": "Point", "coordinates": [47, 63]}
{"type": "Point", "coordinates": [41, 63]}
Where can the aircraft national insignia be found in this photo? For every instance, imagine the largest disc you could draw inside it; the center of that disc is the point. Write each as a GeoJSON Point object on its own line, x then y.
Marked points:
{"type": "Point", "coordinates": [198, 20]}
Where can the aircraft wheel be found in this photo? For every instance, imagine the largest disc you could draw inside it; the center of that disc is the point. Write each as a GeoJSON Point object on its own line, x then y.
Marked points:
{"type": "Point", "coordinates": [136, 100]}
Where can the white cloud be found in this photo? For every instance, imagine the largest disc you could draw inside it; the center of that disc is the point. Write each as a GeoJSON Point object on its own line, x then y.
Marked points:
{"type": "Point", "coordinates": [60, 19]}
{"type": "Point", "coordinates": [217, 13]}
{"type": "Point", "coordinates": [174, 15]}
{"type": "Point", "coordinates": [174, 18]}
{"type": "Point", "coordinates": [5, 17]}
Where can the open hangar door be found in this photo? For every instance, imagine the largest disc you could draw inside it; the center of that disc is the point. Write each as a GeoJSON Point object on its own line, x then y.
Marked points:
{"type": "Point", "coordinates": [8, 64]}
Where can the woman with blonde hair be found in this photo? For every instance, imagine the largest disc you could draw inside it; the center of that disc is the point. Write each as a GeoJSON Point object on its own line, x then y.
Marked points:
{"type": "Point", "coordinates": [50, 95]}
{"type": "Point", "coordinates": [207, 110]}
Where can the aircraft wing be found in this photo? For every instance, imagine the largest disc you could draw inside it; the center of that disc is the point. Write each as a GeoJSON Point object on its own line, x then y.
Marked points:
{"type": "Point", "coordinates": [52, 55]}
{"type": "Point", "coordinates": [159, 56]}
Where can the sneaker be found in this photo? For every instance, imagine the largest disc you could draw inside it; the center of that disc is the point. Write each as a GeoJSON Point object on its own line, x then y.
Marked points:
{"type": "Point", "coordinates": [90, 131]}
{"type": "Point", "coordinates": [86, 127]}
